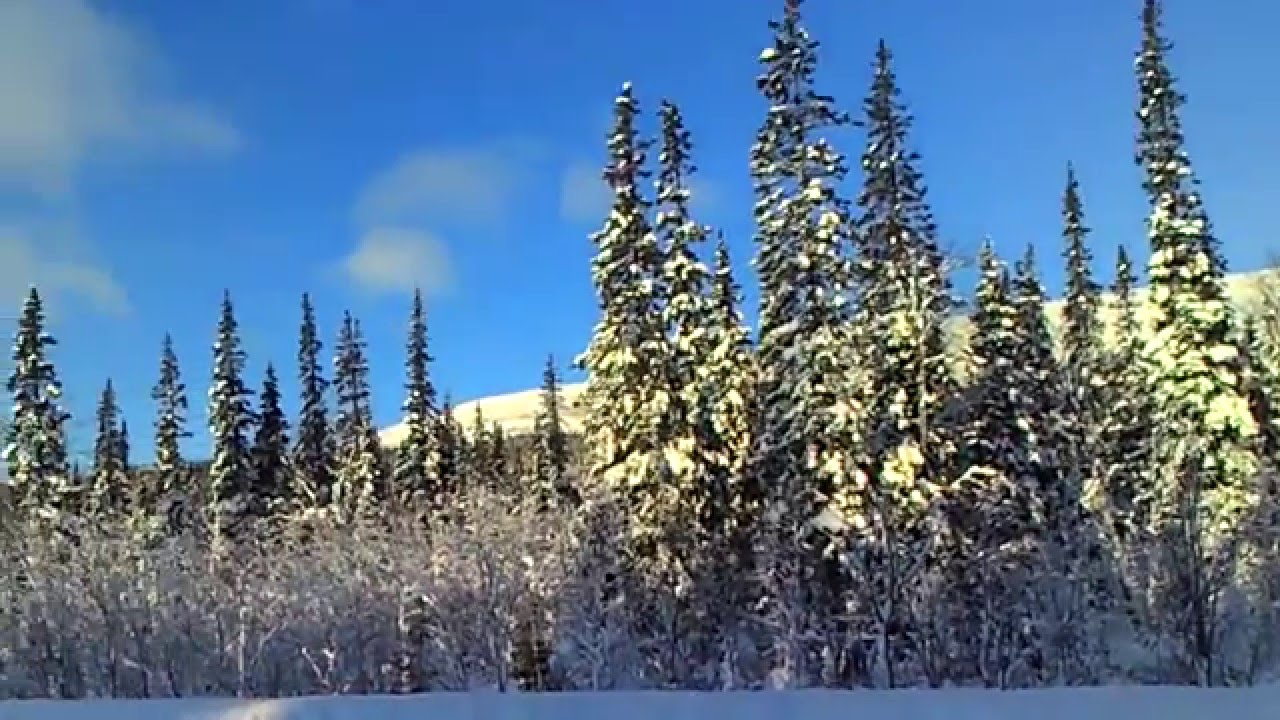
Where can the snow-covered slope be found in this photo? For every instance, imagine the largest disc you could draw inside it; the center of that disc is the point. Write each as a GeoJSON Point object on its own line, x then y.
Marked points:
{"type": "Point", "coordinates": [516, 411]}
{"type": "Point", "coordinates": [1127, 703]}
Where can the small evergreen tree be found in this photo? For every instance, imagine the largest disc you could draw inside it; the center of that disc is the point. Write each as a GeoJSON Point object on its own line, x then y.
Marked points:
{"type": "Point", "coordinates": [108, 489]}
{"type": "Point", "coordinates": [477, 459]}
{"type": "Point", "coordinates": [499, 459]}
{"type": "Point", "coordinates": [449, 454]}
{"type": "Point", "coordinates": [551, 446]}
{"type": "Point", "coordinates": [123, 450]}
{"type": "Point", "coordinates": [271, 449]}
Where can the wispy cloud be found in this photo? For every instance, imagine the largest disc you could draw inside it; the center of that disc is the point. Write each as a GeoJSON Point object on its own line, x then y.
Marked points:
{"type": "Point", "coordinates": [63, 269]}
{"type": "Point", "coordinates": [78, 84]}
{"type": "Point", "coordinates": [74, 81]}
{"type": "Point", "coordinates": [397, 260]}
{"type": "Point", "coordinates": [401, 212]}
{"type": "Point", "coordinates": [468, 185]}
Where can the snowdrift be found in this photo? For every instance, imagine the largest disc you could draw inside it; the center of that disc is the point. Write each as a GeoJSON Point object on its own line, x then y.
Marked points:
{"type": "Point", "coordinates": [1113, 703]}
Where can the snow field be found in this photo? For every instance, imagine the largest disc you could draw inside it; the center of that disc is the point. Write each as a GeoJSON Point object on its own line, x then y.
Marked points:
{"type": "Point", "coordinates": [1105, 703]}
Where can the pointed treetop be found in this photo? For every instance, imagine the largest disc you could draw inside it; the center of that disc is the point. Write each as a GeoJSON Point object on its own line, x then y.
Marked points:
{"type": "Point", "coordinates": [1124, 267]}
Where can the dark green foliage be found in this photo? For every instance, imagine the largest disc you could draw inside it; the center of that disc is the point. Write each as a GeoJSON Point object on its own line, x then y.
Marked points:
{"type": "Point", "coordinates": [313, 448]}
{"type": "Point", "coordinates": [271, 449]}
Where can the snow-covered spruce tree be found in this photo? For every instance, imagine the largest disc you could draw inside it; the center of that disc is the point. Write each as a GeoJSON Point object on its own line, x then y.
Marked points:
{"type": "Point", "coordinates": [690, 513]}
{"type": "Point", "coordinates": [687, 317]}
{"type": "Point", "coordinates": [1081, 340]}
{"type": "Point", "coordinates": [122, 441]}
{"type": "Point", "coordinates": [174, 496]}
{"type": "Point", "coordinates": [1124, 427]}
{"type": "Point", "coordinates": [731, 374]}
{"type": "Point", "coordinates": [232, 507]}
{"type": "Point", "coordinates": [109, 492]}
{"type": "Point", "coordinates": [447, 437]}
{"type": "Point", "coordinates": [36, 445]}
{"type": "Point", "coordinates": [803, 447]}
{"type": "Point", "coordinates": [629, 405]}
{"type": "Point", "coordinates": [500, 460]}
{"type": "Point", "coordinates": [731, 365]}
{"type": "Point", "coordinates": [626, 398]}
{"type": "Point", "coordinates": [906, 382]}
{"type": "Point", "coordinates": [312, 462]}
{"type": "Point", "coordinates": [359, 488]}
{"type": "Point", "coordinates": [1038, 381]}
{"type": "Point", "coordinates": [551, 446]}
{"type": "Point", "coordinates": [1263, 382]}
{"type": "Point", "coordinates": [1063, 541]}
{"type": "Point", "coordinates": [476, 458]}
{"type": "Point", "coordinates": [1206, 470]}
{"type": "Point", "coordinates": [1080, 332]}
{"type": "Point", "coordinates": [416, 485]}
{"type": "Point", "coordinates": [994, 507]}
{"type": "Point", "coordinates": [271, 448]}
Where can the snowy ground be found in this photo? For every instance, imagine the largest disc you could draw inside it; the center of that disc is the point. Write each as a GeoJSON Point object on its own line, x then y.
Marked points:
{"type": "Point", "coordinates": [1127, 703]}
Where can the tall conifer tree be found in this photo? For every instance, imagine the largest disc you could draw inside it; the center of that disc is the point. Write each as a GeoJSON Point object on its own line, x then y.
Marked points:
{"type": "Point", "coordinates": [803, 448]}
{"type": "Point", "coordinates": [360, 481]}
{"type": "Point", "coordinates": [1125, 427]}
{"type": "Point", "coordinates": [1204, 420]}
{"type": "Point", "coordinates": [36, 448]}
{"type": "Point", "coordinates": [448, 439]}
{"type": "Point", "coordinates": [313, 447]}
{"type": "Point", "coordinates": [108, 488]}
{"type": "Point", "coordinates": [230, 422]}
{"type": "Point", "coordinates": [551, 445]}
{"type": "Point", "coordinates": [906, 380]}
{"type": "Point", "coordinates": [174, 496]}
{"type": "Point", "coordinates": [416, 484]}
{"type": "Point", "coordinates": [271, 449]}
{"type": "Point", "coordinates": [627, 396]}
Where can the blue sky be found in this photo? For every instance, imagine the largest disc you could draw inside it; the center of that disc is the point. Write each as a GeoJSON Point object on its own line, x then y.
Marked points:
{"type": "Point", "coordinates": [152, 154]}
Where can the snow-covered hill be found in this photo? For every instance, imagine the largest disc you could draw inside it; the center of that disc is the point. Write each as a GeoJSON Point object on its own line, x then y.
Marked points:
{"type": "Point", "coordinates": [1114, 703]}
{"type": "Point", "coordinates": [516, 411]}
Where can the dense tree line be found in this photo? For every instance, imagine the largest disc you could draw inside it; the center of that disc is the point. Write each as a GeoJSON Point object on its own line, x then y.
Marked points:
{"type": "Point", "coordinates": [853, 497]}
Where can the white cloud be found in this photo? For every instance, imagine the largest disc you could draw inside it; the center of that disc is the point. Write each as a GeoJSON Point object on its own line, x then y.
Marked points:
{"type": "Point", "coordinates": [390, 259]}
{"type": "Point", "coordinates": [75, 81]}
{"type": "Point", "coordinates": [462, 185]}
{"type": "Point", "coordinates": [34, 258]}
{"type": "Point", "coordinates": [399, 212]}
{"type": "Point", "coordinates": [585, 196]}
